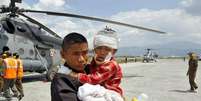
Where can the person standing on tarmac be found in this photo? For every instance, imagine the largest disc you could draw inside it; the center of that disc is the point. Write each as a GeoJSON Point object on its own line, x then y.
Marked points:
{"type": "Point", "coordinates": [3, 56]}
{"type": "Point", "coordinates": [18, 82]}
{"type": "Point", "coordinates": [9, 75]}
{"type": "Point", "coordinates": [193, 64]}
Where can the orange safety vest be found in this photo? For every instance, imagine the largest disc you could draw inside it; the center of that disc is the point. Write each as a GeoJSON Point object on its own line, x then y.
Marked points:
{"type": "Point", "coordinates": [10, 70]}
{"type": "Point", "coordinates": [20, 72]}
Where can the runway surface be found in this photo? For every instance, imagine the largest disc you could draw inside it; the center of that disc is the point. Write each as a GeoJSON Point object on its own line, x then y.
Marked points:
{"type": "Point", "coordinates": [165, 80]}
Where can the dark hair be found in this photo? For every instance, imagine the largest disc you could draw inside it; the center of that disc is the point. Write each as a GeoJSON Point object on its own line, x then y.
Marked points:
{"type": "Point", "coordinates": [71, 39]}
{"type": "Point", "coordinates": [7, 53]}
{"type": "Point", "coordinates": [5, 48]}
{"type": "Point", "coordinates": [115, 50]}
{"type": "Point", "coordinates": [16, 55]}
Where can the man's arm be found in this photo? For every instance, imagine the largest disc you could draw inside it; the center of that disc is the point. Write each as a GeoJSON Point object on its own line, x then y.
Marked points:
{"type": "Point", "coordinates": [4, 68]}
{"type": "Point", "coordinates": [62, 89]}
{"type": "Point", "coordinates": [187, 73]}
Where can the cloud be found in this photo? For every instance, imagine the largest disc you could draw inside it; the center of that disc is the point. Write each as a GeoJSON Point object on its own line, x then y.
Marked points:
{"type": "Point", "coordinates": [192, 6]}
{"type": "Point", "coordinates": [56, 3]}
{"type": "Point", "coordinates": [179, 25]}
{"type": "Point", "coordinates": [88, 29]}
{"type": "Point", "coordinates": [51, 5]}
{"type": "Point", "coordinates": [5, 2]}
{"type": "Point", "coordinates": [186, 3]}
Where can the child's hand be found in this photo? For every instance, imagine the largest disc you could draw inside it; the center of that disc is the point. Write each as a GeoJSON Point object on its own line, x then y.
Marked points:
{"type": "Point", "coordinates": [73, 74]}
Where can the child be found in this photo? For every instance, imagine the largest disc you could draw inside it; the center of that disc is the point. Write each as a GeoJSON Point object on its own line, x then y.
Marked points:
{"type": "Point", "coordinates": [104, 70]}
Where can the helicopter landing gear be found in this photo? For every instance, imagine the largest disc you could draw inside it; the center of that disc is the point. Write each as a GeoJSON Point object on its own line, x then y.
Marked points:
{"type": "Point", "coordinates": [145, 60]}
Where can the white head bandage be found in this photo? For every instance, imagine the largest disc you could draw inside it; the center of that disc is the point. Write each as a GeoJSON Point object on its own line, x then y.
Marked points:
{"type": "Point", "coordinates": [106, 37]}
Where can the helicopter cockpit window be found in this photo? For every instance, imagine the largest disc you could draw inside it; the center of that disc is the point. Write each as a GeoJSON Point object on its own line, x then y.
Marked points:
{"type": "Point", "coordinates": [43, 53]}
{"type": "Point", "coordinates": [31, 52]}
{"type": "Point", "coordinates": [21, 29]}
{"type": "Point", "coordinates": [21, 51]}
{"type": "Point", "coordinates": [8, 26]}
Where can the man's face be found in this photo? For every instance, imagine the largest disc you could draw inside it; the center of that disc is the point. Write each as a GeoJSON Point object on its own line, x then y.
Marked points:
{"type": "Point", "coordinates": [76, 55]}
{"type": "Point", "coordinates": [101, 52]}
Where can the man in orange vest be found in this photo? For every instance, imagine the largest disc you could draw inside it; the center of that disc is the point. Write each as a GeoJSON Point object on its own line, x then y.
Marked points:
{"type": "Point", "coordinates": [9, 75]}
{"type": "Point", "coordinates": [3, 55]}
{"type": "Point", "coordinates": [20, 73]}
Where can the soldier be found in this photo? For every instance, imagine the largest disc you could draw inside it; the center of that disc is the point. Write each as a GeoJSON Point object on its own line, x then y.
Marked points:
{"type": "Point", "coordinates": [126, 59]}
{"type": "Point", "coordinates": [3, 56]}
{"type": "Point", "coordinates": [18, 82]}
{"type": "Point", "coordinates": [193, 64]}
{"type": "Point", "coordinates": [5, 49]}
{"type": "Point", "coordinates": [9, 75]}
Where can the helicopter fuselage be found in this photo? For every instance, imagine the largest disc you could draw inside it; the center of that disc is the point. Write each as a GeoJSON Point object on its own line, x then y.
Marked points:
{"type": "Point", "coordinates": [38, 50]}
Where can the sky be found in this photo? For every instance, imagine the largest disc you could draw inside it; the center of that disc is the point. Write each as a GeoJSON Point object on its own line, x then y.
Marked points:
{"type": "Point", "coordinates": [181, 19]}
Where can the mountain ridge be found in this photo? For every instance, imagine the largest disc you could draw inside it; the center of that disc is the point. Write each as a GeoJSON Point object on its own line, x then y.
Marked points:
{"type": "Point", "coordinates": [179, 48]}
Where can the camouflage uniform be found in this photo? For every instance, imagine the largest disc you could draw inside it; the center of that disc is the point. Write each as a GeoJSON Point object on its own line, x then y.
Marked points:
{"type": "Point", "coordinates": [193, 64]}
{"type": "Point", "coordinates": [18, 82]}
{"type": "Point", "coordinates": [1, 75]}
{"type": "Point", "coordinates": [3, 56]}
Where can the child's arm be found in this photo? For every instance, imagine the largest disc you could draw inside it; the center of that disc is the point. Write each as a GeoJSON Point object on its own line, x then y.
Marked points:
{"type": "Point", "coordinates": [99, 77]}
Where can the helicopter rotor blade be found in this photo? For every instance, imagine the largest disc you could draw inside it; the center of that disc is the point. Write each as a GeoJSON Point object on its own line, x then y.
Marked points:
{"type": "Point", "coordinates": [91, 18]}
{"type": "Point", "coordinates": [41, 25]}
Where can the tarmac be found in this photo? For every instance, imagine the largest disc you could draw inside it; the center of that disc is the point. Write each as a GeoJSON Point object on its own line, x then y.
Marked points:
{"type": "Point", "coordinates": [164, 80]}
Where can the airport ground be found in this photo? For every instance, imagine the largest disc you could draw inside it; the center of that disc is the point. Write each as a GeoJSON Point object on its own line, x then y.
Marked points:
{"type": "Point", "coordinates": [164, 80]}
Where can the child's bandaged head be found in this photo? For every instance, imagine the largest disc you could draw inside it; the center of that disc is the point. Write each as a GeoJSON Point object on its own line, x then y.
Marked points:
{"type": "Point", "coordinates": [106, 37]}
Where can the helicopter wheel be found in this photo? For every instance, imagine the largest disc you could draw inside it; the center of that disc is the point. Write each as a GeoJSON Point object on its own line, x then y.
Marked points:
{"type": "Point", "coordinates": [145, 60]}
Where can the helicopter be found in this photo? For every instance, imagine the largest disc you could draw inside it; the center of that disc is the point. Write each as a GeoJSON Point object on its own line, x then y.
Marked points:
{"type": "Point", "coordinates": [150, 56]}
{"type": "Point", "coordinates": [37, 45]}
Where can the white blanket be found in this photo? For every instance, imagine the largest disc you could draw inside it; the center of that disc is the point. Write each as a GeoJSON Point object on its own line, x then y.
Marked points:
{"type": "Point", "coordinates": [89, 92]}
